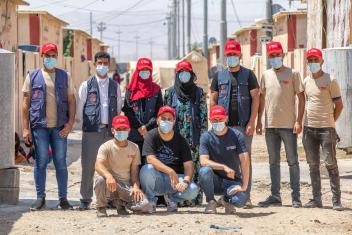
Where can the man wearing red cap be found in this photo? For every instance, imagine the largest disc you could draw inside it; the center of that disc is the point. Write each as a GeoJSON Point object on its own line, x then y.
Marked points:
{"type": "Point", "coordinates": [99, 101]}
{"type": "Point", "coordinates": [236, 89]}
{"type": "Point", "coordinates": [279, 87]}
{"type": "Point", "coordinates": [324, 106]}
{"type": "Point", "coordinates": [49, 107]}
{"type": "Point", "coordinates": [117, 165]}
{"type": "Point", "coordinates": [169, 171]}
{"type": "Point", "coordinates": [225, 164]}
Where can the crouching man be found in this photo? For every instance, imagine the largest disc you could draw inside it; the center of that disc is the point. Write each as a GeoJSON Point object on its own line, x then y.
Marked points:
{"type": "Point", "coordinates": [117, 165]}
{"type": "Point", "coordinates": [225, 164]}
{"type": "Point", "coordinates": [169, 170]}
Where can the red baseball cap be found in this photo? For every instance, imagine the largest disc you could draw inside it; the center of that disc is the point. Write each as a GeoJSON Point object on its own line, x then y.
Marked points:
{"type": "Point", "coordinates": [314, 52]}
{"type": "Point", "coordinates": [49, 47]}
{"type": "Point", "coordinates": [120, 121]}
{"type": "Point", "coordinates": [274, 47]}
{"type": "Point", "coordinates": [144, 63]}
{"type": "Point", "coordinates": [166, 109]}
{"type": "Point", "coordinates": [232, 47]}
{"type": "Point", "coordinates": [184, 65]}
{"type": "Point", "coordinates": [217, 112]}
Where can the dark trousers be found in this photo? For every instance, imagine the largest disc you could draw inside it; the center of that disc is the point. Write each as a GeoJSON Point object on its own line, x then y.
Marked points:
{"type": "Point", "coordinates": [326, 138]}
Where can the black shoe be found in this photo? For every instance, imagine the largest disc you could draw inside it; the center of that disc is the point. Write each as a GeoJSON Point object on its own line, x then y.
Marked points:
{"type": "Point", "coordinates": [270, 201]}
{"type": "Point", "coordinates": [84, 206]}
{"type": "Point", "coordinates": [38, 204]}
{"type": "Point", "coordinates": [313, 204]}
{"type": "Point", "coordinates": [64, 204]}
{"type": "Point", "coordinates": [296, 204]}
{"type": "Point", "coordinates": [337, 206]}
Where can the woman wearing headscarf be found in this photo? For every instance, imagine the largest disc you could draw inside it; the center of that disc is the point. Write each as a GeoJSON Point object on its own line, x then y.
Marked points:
{"type": "Point", "coordinates": [189, 102]}
{"type": "Point", "coordinates": [142, 102]}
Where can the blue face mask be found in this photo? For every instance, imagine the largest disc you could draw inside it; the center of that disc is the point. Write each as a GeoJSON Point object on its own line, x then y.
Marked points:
{"type": "Point", "coordinates": [144, 74]}
{"type": "Point", "coordinates": [276, 62]}
{"type": "Point", "coordinates": [184, 76]}
{"type": "Point", "coordinates": [50, 63]}
{"type": "Point", "coordinates": [121, 135]}
{"type": "Point", "coordinates": [232, 61]}
{"type": "Point", "coordinates": [314, 67]}
{"type": "Point", "coordinates": [102, 70]}
{"type": "Point", "coordinates": [218, 126]}
{"type": "Point", "coordinates": [166, 126]}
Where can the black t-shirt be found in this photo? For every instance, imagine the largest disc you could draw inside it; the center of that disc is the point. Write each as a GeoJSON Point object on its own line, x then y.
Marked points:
{"type": "Point", "coordinates": [233, 109]}
{"type": "Point", "coordinates": [172, 153]}
{"type": "Point", "coordinates": [224, 150]}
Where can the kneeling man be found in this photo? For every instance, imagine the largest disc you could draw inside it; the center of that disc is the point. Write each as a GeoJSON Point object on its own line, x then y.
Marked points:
{"type": "Point", "coordinates": [225, 164]}
{"type": "Point", "coordinates": [117, 164]}
{"type": "Point", "coordinates": [170, 167]}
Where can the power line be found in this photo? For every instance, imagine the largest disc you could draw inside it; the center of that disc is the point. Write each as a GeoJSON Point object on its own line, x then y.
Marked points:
{"type": "Point", "coordinates": [236, 15]}
{"type": "Point", "coordinates": [126, 10]}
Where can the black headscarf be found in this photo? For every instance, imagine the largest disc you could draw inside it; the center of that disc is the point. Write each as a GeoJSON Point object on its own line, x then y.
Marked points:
{"type": "Point", "coordinates": [186, 91]}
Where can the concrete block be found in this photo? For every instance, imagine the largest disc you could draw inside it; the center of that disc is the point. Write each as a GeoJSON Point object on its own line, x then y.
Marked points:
{"type": "Point", "coordinates": [7, 107]}
{"type": "Point", "coordinates": [9, 186]}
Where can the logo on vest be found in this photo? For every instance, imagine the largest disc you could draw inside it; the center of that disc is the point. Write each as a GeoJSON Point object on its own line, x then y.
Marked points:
{"type": "Point", "coordinates": [284, 81]}
{"type": "Point", "coordinates": [36, 93]}
{"type": "Point", "coordinates": [322, 87]}
{"type": "Point", "coordinates": [92, 97]}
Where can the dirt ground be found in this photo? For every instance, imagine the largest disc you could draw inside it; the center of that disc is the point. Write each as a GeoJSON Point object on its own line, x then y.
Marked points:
{"type": "Point", "coordinates": [276, 220]}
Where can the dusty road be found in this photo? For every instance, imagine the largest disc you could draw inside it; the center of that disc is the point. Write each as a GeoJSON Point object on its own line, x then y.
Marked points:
{"type": "Point", "coordinates": [276, 220]}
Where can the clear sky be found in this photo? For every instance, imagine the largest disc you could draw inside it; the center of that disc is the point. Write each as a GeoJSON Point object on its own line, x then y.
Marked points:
{"type": "Point", "coordinates": [146, 18]}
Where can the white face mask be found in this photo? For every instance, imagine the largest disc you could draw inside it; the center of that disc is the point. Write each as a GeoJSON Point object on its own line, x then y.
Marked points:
{"type": "Point", "coordinates": [144, 74]}
{"type": "Point", "coordinates": [218, 126]}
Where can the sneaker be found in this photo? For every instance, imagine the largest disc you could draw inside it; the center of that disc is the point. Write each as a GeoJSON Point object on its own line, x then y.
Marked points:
{"type": "Point", "coordinates": [296, 204]}
{"type": "Point", "coordinates": [141, 206]}
{"type": "Point", "coordinates": [313, 204]}
{"type": "Point", "coordinates": [337, 206]}
{"type": "Point", "coordinates": [39, 204]}
{"type": "Point", "coordinates": [248, 205]}
{"type": "Point", "coordinates": [152, 207]}
{"type": "Point", "coordinates": [121, 210]}
{"type": "Point", "coordinates": [229, 208]}
{"type": "Point", "coordinates": [84, 206]}
{"type": "Point", "coordinates": [211, 207]}
{"type": "Point", "coordinates": [101, 212]}
{"type": "Point", "coordinates": [270, 201]}
{"type": "Point", "coordinates": [171, 205]}
{"type": "Point", "coordinates": [64, 204]}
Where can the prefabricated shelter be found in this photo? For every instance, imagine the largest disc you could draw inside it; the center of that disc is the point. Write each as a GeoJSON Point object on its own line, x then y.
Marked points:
{"type": "Point", "coordinates": [8, 24]}
{"type": "Point", "coordinates": [40, 27]}
{"type": "Point", "coordinates": [290, 28]}
{"type": "Point", "coordinates": [75, 52]}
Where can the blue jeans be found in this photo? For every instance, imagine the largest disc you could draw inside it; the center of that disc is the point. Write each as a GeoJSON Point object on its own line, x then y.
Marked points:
{"type": "Point", "coordinates": [273, 138]}
{"type": "Point", "coordinates": [213, 184]}
{"type": "Point", "coordinates": [155, 183]}
{"type": "Point", "coordinates": [42, 138]}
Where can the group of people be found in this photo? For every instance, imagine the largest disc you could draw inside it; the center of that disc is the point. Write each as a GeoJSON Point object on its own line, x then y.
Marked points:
{"type": "Point", "coordinates": [161, 146]}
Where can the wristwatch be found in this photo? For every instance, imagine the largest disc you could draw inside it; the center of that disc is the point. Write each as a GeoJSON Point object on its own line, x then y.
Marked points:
{"type": "Point", "coordinates": [186, 181]}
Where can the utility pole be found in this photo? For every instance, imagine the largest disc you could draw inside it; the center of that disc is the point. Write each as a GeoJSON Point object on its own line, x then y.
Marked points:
{"type": "Point", "coordinates": [91, 23]}
{"type": "Point", "coordinates": [205, 36]}
{"type": "Point", "coordinates": [119, 45]}
{"type": "Point", "coordinates": [168, 18]}
{"type": "Point", "coordinates": [101, 29]}
{"type": "Point", "coordinates": [183, 29]}
{"type": "Point", "coordinates": [189, 26]}
{"type": "Point", "coordinates": [223, 30]}
{"type": "Point", "coordinates": [137, 38]}
{"type": "Point", "coordinates": [174, 29]}
{"type": "Point", "coordinates": [151, 42]}
{"type": "Point", "coordinates": [178, 53]}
